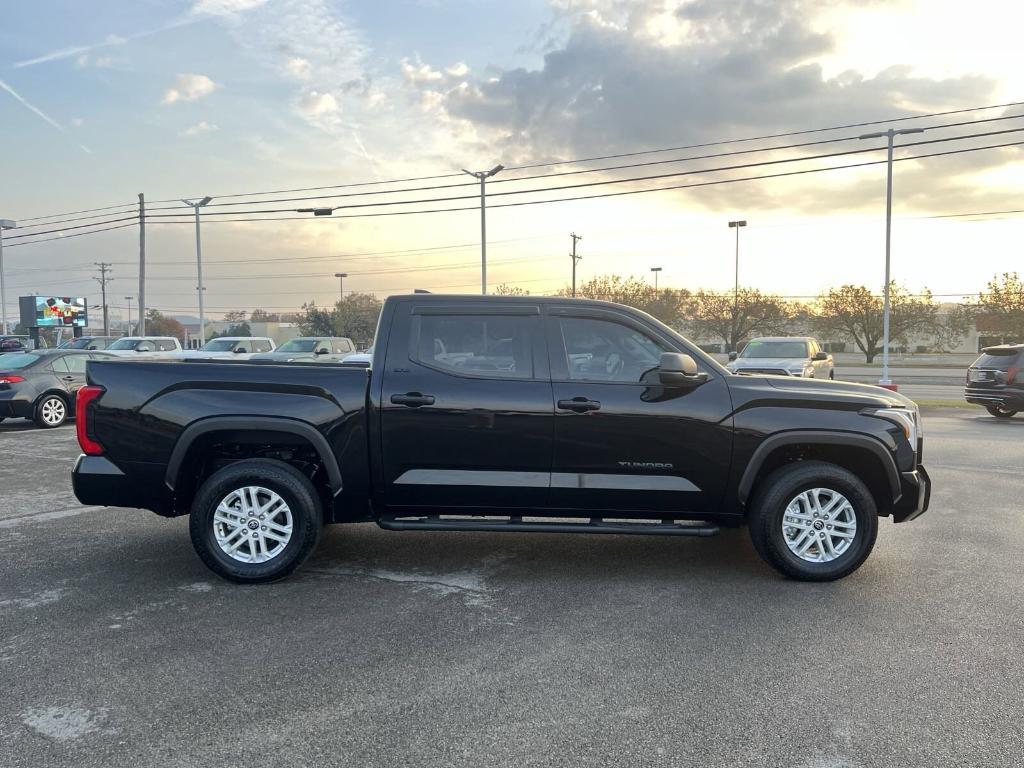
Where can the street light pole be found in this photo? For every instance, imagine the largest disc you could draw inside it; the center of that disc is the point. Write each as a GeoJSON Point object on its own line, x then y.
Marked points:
{"type": "Point", "coordinates": [736, 282]}
{"type": "Point", "coordinates": [4, 224]}
{"type": "Point", "coordinates": [890, 136]}
{"type": "Point", "coordinates": [341, 283]}
{"type": "Point", "coordinates": [129, 300]}
{"type": "Point", "coordinates": [655, 270]}
{"type": "Point", "coordinates": [199, 265]}
{"type": "Point", "coordinates": [575, 259]}
{"type": "Point", "coordinates": [483, 176]}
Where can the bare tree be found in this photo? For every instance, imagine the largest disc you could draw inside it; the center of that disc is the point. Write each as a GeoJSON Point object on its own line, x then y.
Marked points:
{"type": "Point", "coordinates": [736, 318]}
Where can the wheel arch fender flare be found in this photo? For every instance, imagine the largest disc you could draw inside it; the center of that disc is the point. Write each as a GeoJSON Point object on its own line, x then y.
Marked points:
{"type": "Point", "coordinates": [819, 437]}
{"type": "Point", "coordinates": [253, 423]}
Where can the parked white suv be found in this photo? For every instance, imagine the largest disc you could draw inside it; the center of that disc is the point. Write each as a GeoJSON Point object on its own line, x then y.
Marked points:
{"type": "Point", "coordinates": [144, 346]}
{"type": "Point", "coordinates": [231, 348]}
{"type": "Point", "coordinates": [783, 356]}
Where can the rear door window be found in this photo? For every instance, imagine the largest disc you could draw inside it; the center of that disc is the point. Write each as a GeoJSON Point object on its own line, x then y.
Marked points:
{"type": "Point", "coordinates": [75, 363]}
{"type": "Point", "coordinates": [485, 345]}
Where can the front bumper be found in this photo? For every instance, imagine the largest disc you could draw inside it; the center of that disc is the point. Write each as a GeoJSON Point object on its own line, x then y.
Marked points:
{"type": "Point", "coordinates": [917, 493]}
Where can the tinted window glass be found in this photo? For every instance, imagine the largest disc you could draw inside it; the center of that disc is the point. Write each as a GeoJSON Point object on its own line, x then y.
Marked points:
{"type": "Point", "coordinates": [145, 346]}
{"type": "Point", "coordinates": [76, 363]}
{"type": "Point", "coordinates": [217, 345]}
{"type": "Point", "coordinates": [261, 346]}
{"type": "Point", "coordinates": [297, 345]}
{"type": "Point", "coordinates": [601, 350]}
{"type": "Point", "coordinates": [342, 347]}
{"type": "Point", "coordinates": [59, 365]}
{"type": "Point", "coordinates": [478, 345]}
{"type": "Point", "coordinates": [999, 362]}
{"type": "Point", "coordinates": [16, 361]}
{"type": "Point", "coordinates": [124, 344]}
{"type": "Point", "coordinates": [244, 346]}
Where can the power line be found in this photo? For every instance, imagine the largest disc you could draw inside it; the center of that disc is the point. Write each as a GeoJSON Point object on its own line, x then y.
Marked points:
{"type": "Point", "coordinates": [78, 226]}
{"type": "Point", "coordinates": [72, 213]}
{"type": "Point", "coordinates": [80, 218]}
{"type": "Point", "coordinates": [67, 237]}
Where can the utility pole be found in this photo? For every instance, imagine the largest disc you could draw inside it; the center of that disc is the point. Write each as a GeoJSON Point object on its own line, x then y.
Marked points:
{"type": "Point", "coordinates": [575, 238]}
{"type": "Point", "coordinates": [142, 264]}
{"type": "Point", "coordinates": [483, 176]}
{"type": "Point", "coordinates": [4, 224]}
{"type": "Point", "coordinates": [737, 225]}
{"type": "Point", "coordinates": [129, 300]}
{"type": "Point", "coordinates": [199, 265]}
{"type": "Point", "coordinates": [103, 279]}
{"type": "Point", "coordinates": [889, 135]}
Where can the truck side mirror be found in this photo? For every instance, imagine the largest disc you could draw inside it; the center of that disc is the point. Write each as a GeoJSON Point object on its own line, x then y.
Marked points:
{"type": "Point", "coordinates": [820, 356]}
{"type": "Point", "coordinates": [732, 356]}
{"type": "Point", "coordinates": [676, 369]}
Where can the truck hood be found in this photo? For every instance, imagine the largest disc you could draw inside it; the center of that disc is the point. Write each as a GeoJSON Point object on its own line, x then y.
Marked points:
{"type": "Point", "coordinates": [767, 362]}
{"type": "Point", "coordinates": [847, 395]}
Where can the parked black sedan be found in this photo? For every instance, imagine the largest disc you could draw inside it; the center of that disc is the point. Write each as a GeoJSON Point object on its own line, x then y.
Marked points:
{"type": "Point", "coordinates": [42, 385]}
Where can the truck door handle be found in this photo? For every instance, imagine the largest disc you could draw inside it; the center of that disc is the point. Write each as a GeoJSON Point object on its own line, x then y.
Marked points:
{"type": "Point", "coordinates": [579, 405]}
{"type": "Point", "coordinates": [412, 399]}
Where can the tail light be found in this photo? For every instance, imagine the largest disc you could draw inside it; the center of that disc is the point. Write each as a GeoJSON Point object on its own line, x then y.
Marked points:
{"type": "Point", "coordinates": [11, 379]}
{"type": "Point", "coordinates": [83, 419]}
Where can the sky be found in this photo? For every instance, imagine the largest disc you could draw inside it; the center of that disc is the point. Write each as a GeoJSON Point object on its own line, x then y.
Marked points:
{"type": "Point", "coordinates": [179, 99]}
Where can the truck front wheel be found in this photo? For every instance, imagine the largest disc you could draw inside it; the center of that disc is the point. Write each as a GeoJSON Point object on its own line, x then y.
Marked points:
{"type": "Point", "coordinates": [255, 521]}
{"type": "Point", "coordinates": [813, 521]}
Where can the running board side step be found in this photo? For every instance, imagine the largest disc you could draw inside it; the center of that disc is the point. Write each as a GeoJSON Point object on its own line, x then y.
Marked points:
{"type": "Point", "coordinates": [516, 524]}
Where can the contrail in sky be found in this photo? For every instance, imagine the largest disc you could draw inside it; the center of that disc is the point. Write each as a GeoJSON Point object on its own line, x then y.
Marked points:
{"type": "Point", "coordinates": [32, 107]}
{"type": "Point", "coordinates": [111, 40]}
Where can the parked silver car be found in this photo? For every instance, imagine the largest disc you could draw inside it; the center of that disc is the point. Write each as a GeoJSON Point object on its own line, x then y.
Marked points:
{"type": "Point", "coordinates": [783, 356]}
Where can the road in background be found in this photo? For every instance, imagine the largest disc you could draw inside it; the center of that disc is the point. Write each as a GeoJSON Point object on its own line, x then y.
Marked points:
{"type": "Point", "coordinates": [117, 646]}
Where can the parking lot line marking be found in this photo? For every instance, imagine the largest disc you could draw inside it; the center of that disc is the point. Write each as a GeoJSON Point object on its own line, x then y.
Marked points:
{"type": "Point", "coordinates": [36, 517]}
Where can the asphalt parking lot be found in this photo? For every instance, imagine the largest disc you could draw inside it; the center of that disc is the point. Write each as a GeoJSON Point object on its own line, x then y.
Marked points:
{"type": "Point", "coordinates": [117, 646]}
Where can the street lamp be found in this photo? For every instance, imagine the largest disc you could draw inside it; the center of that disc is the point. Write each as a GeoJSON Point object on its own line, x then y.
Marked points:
{"type": "Point", "coordinates": [341, 283]}
{"type": "Point", "coordinates": [4, 224]}
{"type": "Point", "coordinates": [129, 300]}
{"type": "Point", "coordinates": [316, 211]}
{"type": "Point", "coordinates": [655, 270]}
{"type": "Point", "coordinates": [889, 135]}
{"type": "Point", "coordinates": [483, 176]}
{"type": "Point", "coordinates": [199, 264]}
{"type": "Point", "coordinates": [736, 284]}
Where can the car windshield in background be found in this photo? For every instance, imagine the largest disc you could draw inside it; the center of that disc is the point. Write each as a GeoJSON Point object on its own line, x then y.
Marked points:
{"type": "Point", "coordinates": [217, 345]}
{"type": "Point", "coordinates": [124, 344]}
{"type": "Point", "coordinates": [76, 344]}
{"type": "Point", "coordinates": [17, 360]}
{"type": "Point", "coordinates": [297, 345]}
{"type": "Point", "coordinates": [775, 349]}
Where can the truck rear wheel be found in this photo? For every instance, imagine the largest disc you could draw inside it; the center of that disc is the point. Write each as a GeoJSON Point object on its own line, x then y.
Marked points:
{"type": "Point", "coordinates": [813, 521]}
{"type": "Point", "coordinates": [255, 521]}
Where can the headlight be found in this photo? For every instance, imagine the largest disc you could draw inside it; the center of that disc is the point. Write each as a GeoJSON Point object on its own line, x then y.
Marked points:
{"type": "Point", "coordinates": [908, 419]}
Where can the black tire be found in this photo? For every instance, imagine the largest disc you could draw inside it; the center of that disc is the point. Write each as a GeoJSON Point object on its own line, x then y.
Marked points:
{"type": "Point", "coordinates": [999, 412]}
{"type": "Point", "coordinates": [769, 505]}
{"type": "Point", "coordinates": [291, 485]}
{"type": "Point", "coordinates": [50, 412]}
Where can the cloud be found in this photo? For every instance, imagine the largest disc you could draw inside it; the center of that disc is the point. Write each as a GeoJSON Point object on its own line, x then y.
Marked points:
{"type": "Point", "coordinates": [77, 122]}
{"type": "Point", "coordinates": [649, 73]}
{"type": "Point", "coordinates": [201, 127]}
{"type": "Point", "coordinates": [225, 7]}
{"type": "Point", "coordinates": [316, 104]}
{"type": "Point", "coordinates": [461, 69]}
{"type": "Point", "coordinates": [188, 88]}
{"type": "Point", "coordinates": [85, 60]}
{"type": "Point", "coordinates": [298, 67]}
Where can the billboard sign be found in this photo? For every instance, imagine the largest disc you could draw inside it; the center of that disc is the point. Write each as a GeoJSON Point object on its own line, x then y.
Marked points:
{"type": "Point", "coordinates": [53, 311]}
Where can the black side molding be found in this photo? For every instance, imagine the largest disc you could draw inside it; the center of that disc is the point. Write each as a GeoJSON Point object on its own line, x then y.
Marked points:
{"type": "Point", "coordinates": [819, 437]}
{"type": "Point", "coordinates": [254, 423]}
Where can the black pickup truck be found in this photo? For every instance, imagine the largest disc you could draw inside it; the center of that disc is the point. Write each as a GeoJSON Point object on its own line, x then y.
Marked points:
{"type": "Point", "coordinates": [501, 414]}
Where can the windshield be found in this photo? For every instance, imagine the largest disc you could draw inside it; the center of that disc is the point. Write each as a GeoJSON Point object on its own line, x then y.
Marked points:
{"type": "Point", "coordinates": [218, 345]}
{"type": "Point", "coordinates": [775, 349]}
{"type": "Point", "coordinates": [124, 344]}
{"type": "Point", "coordinates": [297, 345]}
{"type": "Point", "coordinates": [81, 343]}
{"type": "Point", "coordinates": [17, 360]}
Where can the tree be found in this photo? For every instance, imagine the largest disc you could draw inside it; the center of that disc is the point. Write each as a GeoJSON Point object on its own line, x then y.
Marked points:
{"type": "Point", "coordinates": [735, 318]}
{"type": "Point", "coordinates": [853, 312]}
{"type": "Point", "coordinates": [510, 290]}
{"type": "Point", "coordinates": [1000, 309]}
{"type": "Point", "coordinates": [159, 324]}
{"type": "Point", "coordinates": [262, 316]}
{"type": "Point", "coordinates": [356, 317]}
{"type": "Point", "coordinates": [315, 321]}
{"type": "Point", "coordinates": [238, 329]}
{"type": "Point", "coordinates": [667, 304]}
{"type": "Point", "coordinates": [235, 316]}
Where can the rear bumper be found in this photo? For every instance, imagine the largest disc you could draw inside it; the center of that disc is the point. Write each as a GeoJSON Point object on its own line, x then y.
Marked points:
{"type": "Point", "coordinates": [1011, 398]}
{"type": "Point", "coordinates": [917, 493]}
{"type": "Point", "coordinates": [97, 481]}
{"type": "Point", "coordinates": [15, 405]}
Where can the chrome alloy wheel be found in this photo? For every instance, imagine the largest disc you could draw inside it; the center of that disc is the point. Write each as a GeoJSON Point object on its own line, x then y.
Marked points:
{"type": "Point", "coordinates": [53, 411]}
{"type": "Point", "coordinates": [252, 524]}
{"type": "Point", "coordinates": [819, 525]}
